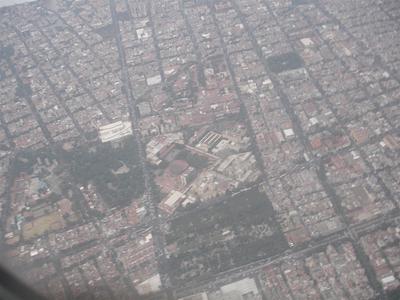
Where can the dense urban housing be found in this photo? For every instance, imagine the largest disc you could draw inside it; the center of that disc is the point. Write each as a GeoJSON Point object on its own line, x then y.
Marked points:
{"type": "Point", "coordinates": [201, 149]}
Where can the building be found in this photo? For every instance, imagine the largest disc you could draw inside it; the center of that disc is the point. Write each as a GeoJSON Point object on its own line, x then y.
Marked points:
{"type": "Point", "coordinates": [151, 285]}
{"type": "Point", "coordinates": [201, 296]}
{"type": "Point", "coordinates": [172, 201]}
{"type": "Point", "coordinates": [209, 140]}
{"type": "Point", "coordinates": [115, 131]}
{"type": "Point", "coordinates": [245, 289]}
{"type": "Point", "coordinates": [188, 175]}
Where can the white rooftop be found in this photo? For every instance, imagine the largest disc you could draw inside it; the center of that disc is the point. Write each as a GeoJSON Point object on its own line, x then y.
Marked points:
{"type": "Point", "coordinates": [115, 131]}
{"type": "Point", "coordinates": [4, 3]}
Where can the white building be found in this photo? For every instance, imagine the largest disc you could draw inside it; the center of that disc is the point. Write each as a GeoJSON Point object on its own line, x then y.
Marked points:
{"type": "Point", "coordinates": [115, 131]}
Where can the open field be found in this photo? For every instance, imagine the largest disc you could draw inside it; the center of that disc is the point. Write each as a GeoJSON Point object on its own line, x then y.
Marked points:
{"type": "Point", "coordinates": [39, 226]}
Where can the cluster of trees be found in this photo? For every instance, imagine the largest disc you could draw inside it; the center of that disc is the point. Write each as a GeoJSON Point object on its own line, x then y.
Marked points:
{"type": "Point", "coordinates": [285, 62]}
{"type": "Point", "coordinates": [6, 51]}
{"type": "Point", "coordinates": [198, 234]}
{"type": "Point", "coordinates": [96, 165]}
